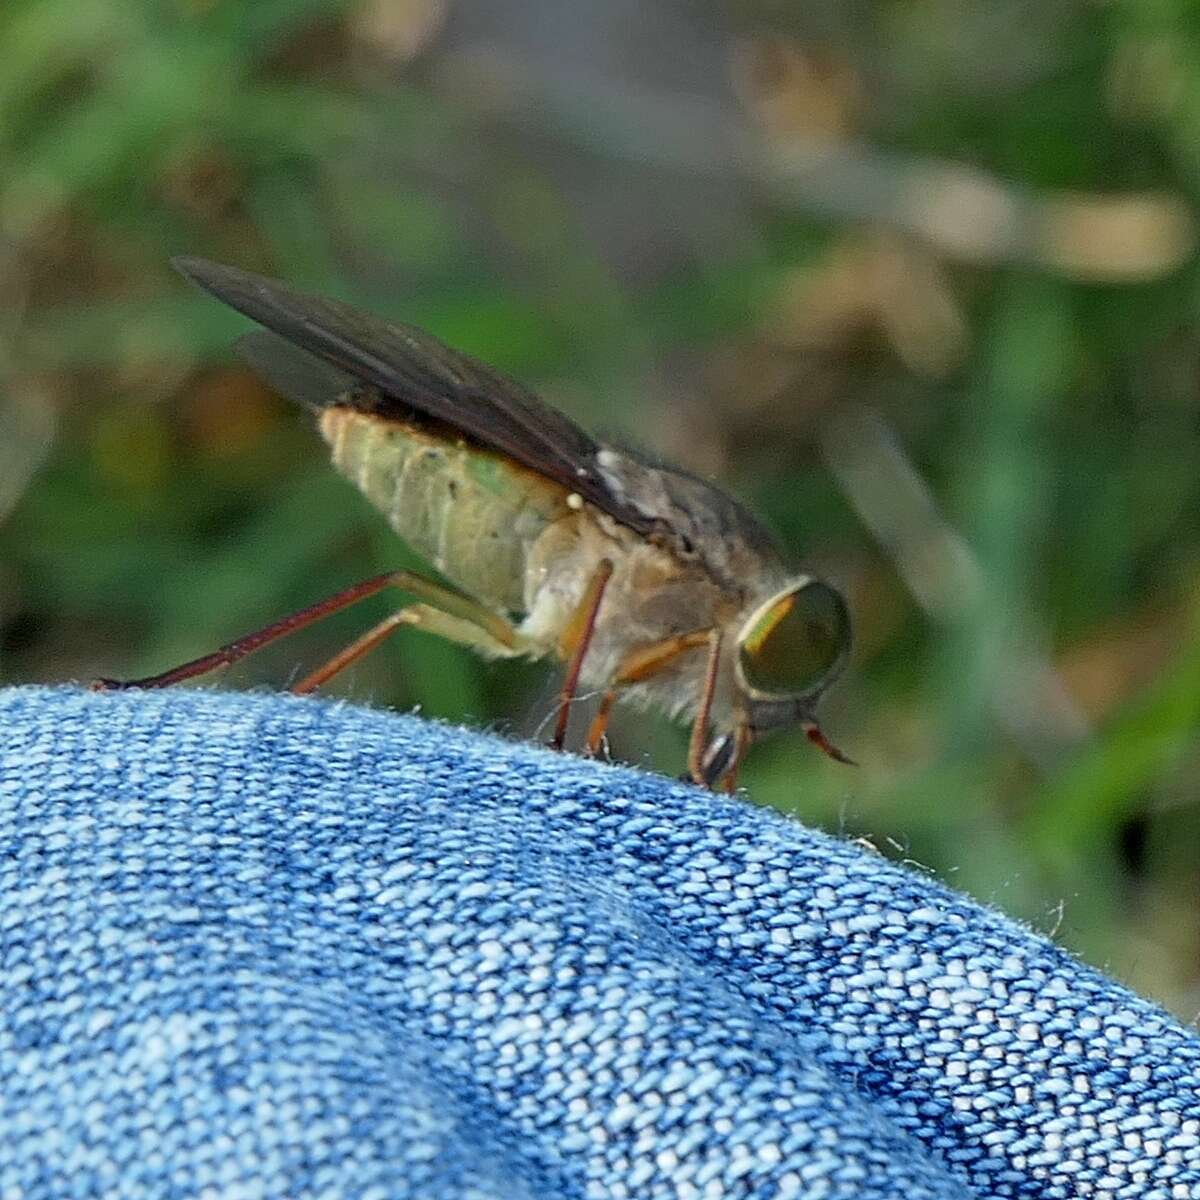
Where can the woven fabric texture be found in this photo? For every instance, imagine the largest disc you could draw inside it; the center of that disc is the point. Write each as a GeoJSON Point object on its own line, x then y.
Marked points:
{"type": "Point", "coordinates": [261, 946]}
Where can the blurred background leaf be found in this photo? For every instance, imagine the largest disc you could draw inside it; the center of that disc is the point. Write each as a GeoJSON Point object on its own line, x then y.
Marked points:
{"type": "Point", "coordinates": [917, 281]}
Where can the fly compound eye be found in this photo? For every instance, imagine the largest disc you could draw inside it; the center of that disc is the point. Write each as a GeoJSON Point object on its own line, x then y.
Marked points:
{"type": "Point", "coordinates": [796, 642]}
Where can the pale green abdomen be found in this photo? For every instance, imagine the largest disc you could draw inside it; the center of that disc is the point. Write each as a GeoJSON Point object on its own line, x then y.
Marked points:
{"type": "Point", "coordinates": [473, 514]}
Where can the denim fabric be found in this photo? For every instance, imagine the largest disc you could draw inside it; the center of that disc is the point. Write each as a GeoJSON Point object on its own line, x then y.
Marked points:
{"type": "Point", "coordinates": [261, 946]}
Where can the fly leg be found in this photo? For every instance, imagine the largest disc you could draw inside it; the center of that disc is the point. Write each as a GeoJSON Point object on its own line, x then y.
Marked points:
{"type": "Point", "coordinates": [454, 603]}
{"type": "Point", "coordinates": [699, 737]}
{"type": "Point", "coordinates": [575, 641]}
{"type": "Point", "coordinates": [640, 664]}
{"type": "Point", "coordinates": [646, 661]}
{"type": "Point", "coordinates": [420, 616]}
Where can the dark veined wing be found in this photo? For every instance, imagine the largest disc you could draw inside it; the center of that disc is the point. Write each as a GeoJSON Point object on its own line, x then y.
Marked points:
{"type": "Point", "coordinates": [407, 370]}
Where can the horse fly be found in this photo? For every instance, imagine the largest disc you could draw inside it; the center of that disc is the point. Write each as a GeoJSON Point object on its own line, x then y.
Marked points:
{"type": "Point", "coordinates": [647, 583]}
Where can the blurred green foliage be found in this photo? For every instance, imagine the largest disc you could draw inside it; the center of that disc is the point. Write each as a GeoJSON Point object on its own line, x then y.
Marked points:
{"type": "Point", "coordinates": [916, 280]}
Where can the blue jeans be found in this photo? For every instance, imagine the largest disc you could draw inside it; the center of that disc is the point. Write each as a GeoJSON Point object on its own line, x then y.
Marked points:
{"type": "Point", "coordinates": [260, 946]}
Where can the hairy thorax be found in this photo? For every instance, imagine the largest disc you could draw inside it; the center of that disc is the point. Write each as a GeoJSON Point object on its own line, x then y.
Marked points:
{"type": "Point", "coordinates": [651, 596]}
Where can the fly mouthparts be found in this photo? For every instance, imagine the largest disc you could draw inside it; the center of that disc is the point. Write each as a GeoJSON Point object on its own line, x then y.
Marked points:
{"type": "Point", "coordinates": [717, 759]}
{"type": "Point", "coordinates": [815, 735]}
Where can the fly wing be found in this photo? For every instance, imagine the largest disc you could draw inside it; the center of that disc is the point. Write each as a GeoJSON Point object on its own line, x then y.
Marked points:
{"type": "Point", "coordinates": [296, 374]}
{"type": "Point", "coordinates": [396, 370]}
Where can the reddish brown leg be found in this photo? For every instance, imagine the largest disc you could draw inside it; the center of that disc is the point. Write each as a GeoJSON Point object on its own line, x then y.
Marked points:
{"type": "Point", "coordinates": [599, 725]}
{"type": "Point", "coordinates": [454, 602]}
{"type": "Point", "coordinates": [699, 738]}
{"type": "Point", "coordinates": [741, 745]}
{"type": "Point", "coordinates": [454, 629]}
{"type": "Point", "coordinates": [353, 652]}
{"type": "Point", "coordinates": [640, 664]}
{"type": "Point", "coordinates": [576, 639]}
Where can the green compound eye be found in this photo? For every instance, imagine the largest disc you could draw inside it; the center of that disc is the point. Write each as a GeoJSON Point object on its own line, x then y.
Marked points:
{"type": "Point", "coordinates": [797, 642]}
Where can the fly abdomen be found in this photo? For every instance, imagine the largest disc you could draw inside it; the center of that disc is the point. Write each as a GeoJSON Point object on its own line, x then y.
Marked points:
{"type": "Point", "coordinates": [472, 513]}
